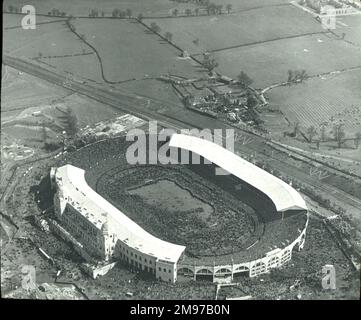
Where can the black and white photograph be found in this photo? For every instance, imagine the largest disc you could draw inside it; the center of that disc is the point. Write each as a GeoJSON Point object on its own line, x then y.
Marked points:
{"type": "Point", "coordinates": [198, 151]}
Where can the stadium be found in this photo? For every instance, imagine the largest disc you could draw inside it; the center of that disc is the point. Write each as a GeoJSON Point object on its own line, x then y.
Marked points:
{"type": "Point", "coordinates": [217, 217]}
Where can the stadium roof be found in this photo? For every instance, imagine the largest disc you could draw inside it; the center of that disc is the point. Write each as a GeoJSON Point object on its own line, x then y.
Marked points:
{"type": "Point", "coordinates": [282, 195]}
{"type": "Point", "coordinates": [98, 210]}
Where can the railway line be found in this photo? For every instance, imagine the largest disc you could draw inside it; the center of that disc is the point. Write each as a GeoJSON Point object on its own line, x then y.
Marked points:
{"type": "Point", "coordinates": [184, 119]}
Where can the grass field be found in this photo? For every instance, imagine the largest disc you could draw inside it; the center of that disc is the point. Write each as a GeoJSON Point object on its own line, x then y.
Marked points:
{"type": "Point", "coordinates": [351, 26]}
{"type": "Point", "coordinates": [238, 5]}
{"type": "Point", "coordinates": [216, 32]}
{"type": "Point", "coordinates": [81, 68]}
{"type": "Point", "coordinates": [268, 63]}
{"type": "Point", "coordinates": [330, 99]}
{"type": "Point", "coordinates": [14, 20]}
{"type": "Point", "coordinates": [130, 51]}
{"type": "Point", "coordinates": [21, 91]}
{"type": "Point", "coordinates": [23, 95]}
{"type": "Point", "coordinates": [52, 39]}
{"type": "Point", "coordinates": [168, 196]}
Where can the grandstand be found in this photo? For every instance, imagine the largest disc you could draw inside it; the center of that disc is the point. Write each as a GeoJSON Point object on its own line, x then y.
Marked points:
{"type": "Point", "coordinates": [279, 215]}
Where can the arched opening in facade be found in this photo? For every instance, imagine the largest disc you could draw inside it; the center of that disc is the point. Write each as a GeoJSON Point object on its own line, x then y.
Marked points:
{"type": "Point", "coordinates": [186, 272]}
{"type": "Point", "coordinates": [204, 275]}
{"type": "Point", "coordinates": [223, 273]}
{"type": "Point", "coordinates": [240, 272]}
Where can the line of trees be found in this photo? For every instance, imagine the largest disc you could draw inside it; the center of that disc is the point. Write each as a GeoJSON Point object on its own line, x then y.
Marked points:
{"type": "Point", "coordinates": [210, 8]}
{"type": "Point", "coordinates": [295, 76]}
{"type": "Point", "coordinates": [57, 13]}
{"type": "Point", "coordinates": [338, 134]}
{"type": "Point", "coordinates": [154, 27]}
{"type": "Point", "coordinates": [13, 9]}
{"type": "Point", "coordinates": [122, 14]}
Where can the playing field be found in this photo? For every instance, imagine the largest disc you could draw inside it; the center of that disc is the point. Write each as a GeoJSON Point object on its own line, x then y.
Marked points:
{"type": "Point", "coordinates": [169, 196]}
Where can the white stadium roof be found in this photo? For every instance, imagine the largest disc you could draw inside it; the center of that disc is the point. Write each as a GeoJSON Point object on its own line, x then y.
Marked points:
{"type": "Point", "coordinates": [93, 207]}
{"type": "Point", "coordinates": [282, 195]}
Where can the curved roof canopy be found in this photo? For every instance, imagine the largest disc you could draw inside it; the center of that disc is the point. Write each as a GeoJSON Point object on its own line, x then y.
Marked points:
{"type": "Point", "coordinates": [282, 195]}
{"type": "Point", "coordinates": [77, 193]}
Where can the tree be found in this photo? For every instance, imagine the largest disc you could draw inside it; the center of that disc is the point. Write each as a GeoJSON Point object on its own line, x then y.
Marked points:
{"type": "Point", "coordinates": [11, 8]}
{"type": "Point", "coordinates": [229, 8]}
{"type": "Point", "coordinates": [155, 28]}
{"type": "Point", "coordinates": [357, 139]}
{"type": "Point", "coordinates": [296, 128]}
{"type": "Point", "coordinates": [140, 17]}
{"type": "Point", "coordinates": [175, 12]}
{"type": "Point", "coordinates": [290, 76]}
{"type": "Point", "coordinates": [196, 11]}
{"type": "Point", "coordinates": [323, 131]}
{"type": "Point", "coordinates": [103, 14]}
{"type": "Point", "coordinates": [219, 9]}
{"type": "Point", "coordinates": [168, 36]}
{"type": "Point", "coordinates": [303, 75]}
{"type": "Point", "coordinates": [115, 13]}
{"type": "Point", "coordinates": [72, 122]}
{"type": "Point", "coordinates": [188, 12]}
{"type": "Point", "coordinates": [311, 132]}
{"type": "Point", "coordinates": [251, 100]}
{"type": "Point", "coordinates": [40, 55]}
{"type": "Point", "coordinates": [338, 134]}
{"type": "Point", "coordinates": [244, 80]}
{"type": "Point", "coordinates": [129, 13]}
{"type": "Point", "coordinates": [209, 62]}
{"type": "Point", "coordinates": [44, 134]}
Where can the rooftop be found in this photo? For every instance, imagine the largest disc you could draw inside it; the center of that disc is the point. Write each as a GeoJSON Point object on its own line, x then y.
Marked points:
{"type": "Point", "coordinates": [98, 210]}
{"type": "Point", "coordinates": [282, 195]}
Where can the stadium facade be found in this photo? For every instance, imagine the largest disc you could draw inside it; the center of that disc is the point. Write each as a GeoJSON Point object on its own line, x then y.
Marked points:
{"type": "Point", "coordinates": [101, 232]}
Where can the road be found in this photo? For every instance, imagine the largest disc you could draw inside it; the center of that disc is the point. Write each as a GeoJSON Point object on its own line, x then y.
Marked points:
{"type": "Point", "coordinates": [185, 119]}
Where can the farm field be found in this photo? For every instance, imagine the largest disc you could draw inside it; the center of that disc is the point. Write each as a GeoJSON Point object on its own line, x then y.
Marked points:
{"type": "Point", "coordinates": [54, 39]}
{"type": "Point", "coordinates": [83, 7]}
{"type": "Point", "coordinates": [132, 52]}
{"type": "Point", "coordinates": [332, 99]}
{"type": "Point", "coordinates": [217, 32]}
{"type": "Point", "coordinates": [268, 64]}
{"type": "Point", "coordinates": [21, 91]}
{"type": "Point", "coordinates": [23, 96]}
{"type": "Point", "coordinates": [351, 26]}
{"type": "Point", "coordinates": [250, 4]}
{"type": "Point", "coordinates": [14, 20]}
{"type": "Point", "coordinates": [82, 68]}
{"type": "Point", "coordinates": [154, 89]}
